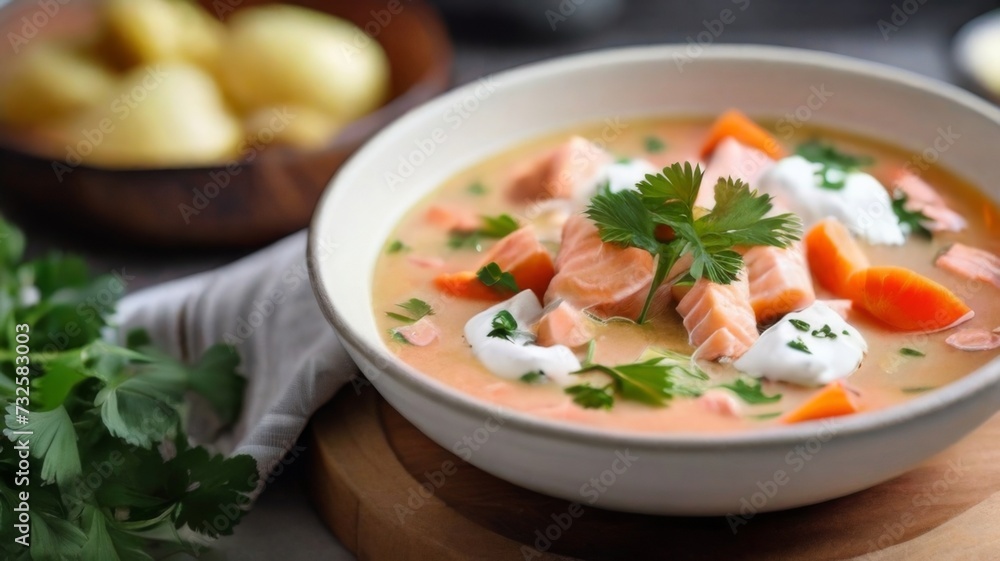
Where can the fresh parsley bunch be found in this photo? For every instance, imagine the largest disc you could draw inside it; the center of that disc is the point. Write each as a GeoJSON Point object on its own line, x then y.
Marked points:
{"type": "Point", "coordinates": [661, 218]}
{"type": "Point", "coordinates": [95, 456]}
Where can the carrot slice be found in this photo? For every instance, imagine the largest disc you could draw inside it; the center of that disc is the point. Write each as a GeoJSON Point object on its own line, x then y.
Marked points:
{"type": "Point", "coordinates": [907, 300]}
{"type": "Point", "coordinates": [737, 125]}
{"type": "Point", "coordinates": [832, 401]}
{"type": "Point", "coordinates": [520, 254]}
{"type": "Point", "coordinates": [834, 256]}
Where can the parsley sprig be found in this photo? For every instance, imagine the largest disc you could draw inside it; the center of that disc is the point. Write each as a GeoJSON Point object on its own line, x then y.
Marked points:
{"type": "Point", "coordinates": [751, 392]}
{"type": "Point", "coordinates": [493, 227]}
{"type": "Point", "coordinates": [496, 278]}
{"type": "Point", "coordinates": [415, 308]}
{"type": "Point", "coordinates": [111, 468]}
{"type": "Point", "coordinates": [630, 219]}
{"type": "Point", "coordinates": [652, 381]}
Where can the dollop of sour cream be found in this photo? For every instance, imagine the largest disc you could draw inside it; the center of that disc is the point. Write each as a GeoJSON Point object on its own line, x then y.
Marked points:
{"type": "Point", "coordinates": [519, 356]}
{"type": "Point", "coordinates": [811, 347]}
{"type": "Point", "coordinates": [862, 204]}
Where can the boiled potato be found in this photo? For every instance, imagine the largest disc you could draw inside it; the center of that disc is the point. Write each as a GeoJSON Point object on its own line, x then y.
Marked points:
{"type": "Point", "coordinates": [279, 55]}
{"type": "Point", "coordinates": [169, 114]}
{"type": "Point", "coordinates": [49, 82]}
{"type": "Point", "coordinates": [140, 32]}
{"type": "Point", "coordinates": [301, 127]}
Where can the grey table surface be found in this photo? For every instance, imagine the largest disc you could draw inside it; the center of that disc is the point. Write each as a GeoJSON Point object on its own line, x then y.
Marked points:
{"type": "Point", "coordinates": [283, 525]}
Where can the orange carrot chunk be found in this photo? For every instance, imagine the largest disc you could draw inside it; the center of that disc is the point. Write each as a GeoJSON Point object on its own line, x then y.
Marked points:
{"type": "Point", "coordinates": [520, 254]}
{"type": "Point", "coordinates": [834, 256]}
{"type": "Point", "coordinates": [737, 125]}
{"type": "Point", "coordinates": [832, 401]}
{"type": "Point", "coordinates": [907, 300]}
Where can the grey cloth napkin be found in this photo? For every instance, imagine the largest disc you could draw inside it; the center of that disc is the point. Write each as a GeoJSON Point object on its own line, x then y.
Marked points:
{"type": "Point", "coordinates": [265, 307]}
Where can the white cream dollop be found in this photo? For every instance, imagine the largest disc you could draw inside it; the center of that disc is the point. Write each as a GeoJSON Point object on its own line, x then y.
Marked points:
{"type": "Point", "coordinates": [831, 358]}
{"type": "Point", "coordinates": [863, 204]}
{"type": "Point", "coordinates": [513, 359]}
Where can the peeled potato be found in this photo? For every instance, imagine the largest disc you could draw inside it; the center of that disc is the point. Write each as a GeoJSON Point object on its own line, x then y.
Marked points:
{"type": "Point", "coordinates": [278, 55]}
{"type": "Point", "coordinates": [51, 81]}
{"type": "Point", "coordinates": [302, 127]}
{"type": "Point", "coordinates": [138, 32]}
{"type": "Point", "coordinates": [165, 115]}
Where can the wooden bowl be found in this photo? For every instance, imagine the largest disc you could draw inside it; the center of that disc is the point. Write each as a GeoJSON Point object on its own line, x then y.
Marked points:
{"type": "Point", "coordinates": [247, 202]}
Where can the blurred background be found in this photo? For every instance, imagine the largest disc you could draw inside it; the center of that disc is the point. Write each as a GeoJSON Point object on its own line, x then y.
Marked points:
{"type": "Point", "coordinates": [199, 166]}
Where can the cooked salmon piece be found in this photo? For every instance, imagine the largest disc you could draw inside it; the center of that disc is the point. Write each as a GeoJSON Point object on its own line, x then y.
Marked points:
{"type": "Point", "coordinates": [975, 339]}
{"type": "Point", "coordinates": [721, 402]}
{"type": "Point", "coordinates": [921, 196]}
{"type": "Point", "coordinates": [425, 262]}
{"type": "Point", "coordinates": [420, 334]}
{"type": "Point", "coordinates": [559, 172]}
{"type": "Point", "coordinates": [731, 159]}
{"type": "Point", "coordinates": [971, 263]}
{"type": "Point", "coordinates": [779, 281]}
{"type": "Point", "coordinates": [602, 278]}
{"type": "Point", "coordinates": [518, 253]}
{"type": "Point", "coordinates": [719, 318]}
{"type": "Point", "coordinates": [564, 325]}
{"type": "Point", "coordinates": [453, 218]}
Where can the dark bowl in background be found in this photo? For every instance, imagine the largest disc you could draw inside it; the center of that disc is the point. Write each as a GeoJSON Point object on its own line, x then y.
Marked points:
{"type": "Point", "coordinates": [238, 203]}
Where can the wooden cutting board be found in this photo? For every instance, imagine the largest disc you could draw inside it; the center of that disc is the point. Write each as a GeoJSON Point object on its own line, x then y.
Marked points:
{"type": "Point", "coordinates": [372, 473]}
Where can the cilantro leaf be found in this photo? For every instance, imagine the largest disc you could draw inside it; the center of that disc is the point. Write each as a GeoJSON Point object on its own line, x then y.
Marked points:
{"type": "Point", "coordinates": [494, 277]}
{"type": "Point", "coordinates": [415, 307]}
{"type": "Point", "coordinates": [53, 440]}
{"type": "Point", "coordinates": [492, 227]}
{"type": "Point", "coordinates": [911, 221]}
{"type": "Point", "coordinates": [504, 326]}
{"type": "Point", "coordinates": [104, 541]}
{"type": "Point", "coordinates": [534, 377]}
{"type": "Point", "coordinates": [740, 218]}
{"type": "Point", "coordinates": [590, 397]}
{"type": "Point", "coordinates": [476, 188]}
{"type": "Point", "coordinates": [907, 351]}
{"type": "Point", "coordinates": [654, 145]}
{"type": "Point", "coordinates": [653, 381]}
{"type": "Point", "coordinates": [397, 246]}
{"type": "Point", "coordinates": [752, 393]}
{"type": "Point", "coordinates": [214, 483]}
{"type": "Point", "coordinates": [215, 378]}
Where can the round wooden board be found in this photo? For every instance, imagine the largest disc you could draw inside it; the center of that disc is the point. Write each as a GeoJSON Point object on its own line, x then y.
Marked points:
{"type": "Point", "coordinates": [372, 471]}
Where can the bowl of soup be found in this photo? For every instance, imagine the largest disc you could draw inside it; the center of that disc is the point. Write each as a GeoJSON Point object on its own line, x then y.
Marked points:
{"type": "Point", "coordinates": [669, 284]}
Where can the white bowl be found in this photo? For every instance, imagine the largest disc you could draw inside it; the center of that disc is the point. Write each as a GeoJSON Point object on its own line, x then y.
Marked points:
{"type": "Point", "coordinates": [680, 474]}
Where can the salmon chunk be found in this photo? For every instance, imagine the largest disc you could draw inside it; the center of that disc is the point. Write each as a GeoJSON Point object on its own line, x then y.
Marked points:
{"type": "Point", "coordinates": [971, 263]}
{"type": "Point", "coordinates": [719, 318]}
{"type": "Point", "coordinates": [731, 159]}
{"type": "Point", "coordinates": [922, 197]}
{"type": "Point", "coordinates": [975, 339]}
{"type": "Point", "coordinates": [559, 173]}
{"type": "Point", "coordinates": [453, 218]}
{"type": "Point", "coordinates": [779, 281]}
{"type": "Point", "coordinates": [518, 253]}
{"type": "Point", "coordinates": [564, 325]}
{"type": "Point", "coordinates": [601, 278]}
{"type": "Point", "coordinates": [420, 334]}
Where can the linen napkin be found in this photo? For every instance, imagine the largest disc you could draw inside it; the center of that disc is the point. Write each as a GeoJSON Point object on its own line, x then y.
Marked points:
{"type": "Point", "coordinates": [265, 307]}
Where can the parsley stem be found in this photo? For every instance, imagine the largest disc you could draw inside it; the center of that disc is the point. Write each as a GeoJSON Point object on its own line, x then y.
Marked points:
{"type": "Point", "coordinates": [664, 262]}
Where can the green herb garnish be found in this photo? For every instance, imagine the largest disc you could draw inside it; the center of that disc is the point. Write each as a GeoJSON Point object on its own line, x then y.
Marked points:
{"type": "Point", "coordinates": [476, 188]}
{"type": "Point", "coordinates": [398, 337]}
{"type": "Point", "coordinates": [906, 351]}
{"type": "Point", "coordinates": [654, 145]}
{"type": "Point", "coordinates": [590, 397]}
{"type": "Point", "coordinates": [846, 332]}
{"type": "Point", "coordinates": [494, 277]}
{"type": "Point", "coordinates": [397, 246]}
{"type": "Point", "coordinates": [799, 324]}
{"type": "Point", "coordinates": [492, 227]}
{"type": "Point", "coordinates": [535, 377]}
{"type": "Point", "coordinates": [504, 326]}
{"type": "Point", "coordinates": [630, 218]}
{"type": "Point", "coordinates": [836, 164]}
{"type": "Point", "coordinates": [824, 333]}
{"type": "Point", "coordinates": [798, 345]}
{"type": "Point", "coordinates": [110, 469]}
{"type": "Point", "coordinates": [918, 389]}
{"type": "Point", "coordinates": [416, 308]}
{"type": "Point", "coordinates": [752, 393]}
{"type": "Point", "coordinates": [910, 221]}
{"type": "Point", "coordinates": [765, 416]}
{"type": "Point", "coordinates": [653, 381]}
